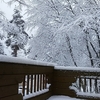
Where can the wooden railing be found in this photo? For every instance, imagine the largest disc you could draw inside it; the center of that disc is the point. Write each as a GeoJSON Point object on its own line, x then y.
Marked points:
{"type": "Point", "coordinates": [90, 84]}
{"type": "Point", "coordinates": [25, 81]}
{"type": "Point", "coordinates": [20, 81]}
{"type": "Point", "coordinates": [77, 82]}
{"type": "Point", "coordinates": [35, 84]}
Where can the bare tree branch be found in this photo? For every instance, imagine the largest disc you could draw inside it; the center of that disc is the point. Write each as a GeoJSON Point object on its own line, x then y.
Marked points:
{"type": "Point", "coordinates": [23, 3]}
{"type": "Point", "coordinates": [70, 49]}
{"type": "Point", "coordinates": [88, 49]}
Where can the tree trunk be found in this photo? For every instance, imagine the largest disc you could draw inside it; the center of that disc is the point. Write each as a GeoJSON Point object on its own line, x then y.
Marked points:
{"type": "Point", "coordinates": [70, 49]}
{"type": "Point", "coordinates": [15, 48]}
{"type": "Point", "coordinates": [88, 49]}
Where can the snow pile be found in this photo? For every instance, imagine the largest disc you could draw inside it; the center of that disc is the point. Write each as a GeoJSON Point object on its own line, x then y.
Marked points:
{"type": "Point", "coordinates": [62, 98]}
{"type": "Point", "coordinates": [89, 95]}
{"type": "Point", "coordinates": [35, 94]}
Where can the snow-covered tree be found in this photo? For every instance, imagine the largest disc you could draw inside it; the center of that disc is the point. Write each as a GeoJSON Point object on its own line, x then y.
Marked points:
{"type": "Point", "coordinates": [49, 16]}
{"type": "Point", "coordinates": [2, 17]}
{"type": "Point", "coordinates": [1, 49]}
{"type": "Point", "coordinates": [12, 34]}
{"type": "Point", "coordinates": [17, 39]}
{"type": "Point", "coordinates": [68, 31]}
{"type": "Point", "coordinates": [62, 35]}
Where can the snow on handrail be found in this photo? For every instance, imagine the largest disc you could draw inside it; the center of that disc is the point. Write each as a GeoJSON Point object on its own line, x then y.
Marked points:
{"type": "Point", "coordinates": [4, 58]}
{"type": "Point", "coordinates": [81, 69]}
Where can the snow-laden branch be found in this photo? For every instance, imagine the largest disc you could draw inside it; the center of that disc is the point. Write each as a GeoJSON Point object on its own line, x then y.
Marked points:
{"type": "Point", "coordinates": [9, 27]}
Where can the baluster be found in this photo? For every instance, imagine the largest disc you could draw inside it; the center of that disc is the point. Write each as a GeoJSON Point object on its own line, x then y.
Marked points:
{"type": "Point", "coordinates": [90, 85]}
{"type": "Point", "coordinates": [27, 91]}
{"type": "Point", "coordinates": [80, 84]}
{"type": "Point", "coordinates": [45, 82]}
{"type": "Point", "coordinates": [99, 86]}
{"type": "Point", "coordinates": [34, 83]}
{"type": "Point", "coordinates": [41, 82]}
{"type": "Point", "coordinates": [84, 85]}
{"type": "Point", "coordinates": [38, 82]}
{"type": "Point", "coordinates": [23, 88]}
{"type": "Point", "coordinates": [96, 88]}
{"type": "Point", "coordinates": [31, 87]}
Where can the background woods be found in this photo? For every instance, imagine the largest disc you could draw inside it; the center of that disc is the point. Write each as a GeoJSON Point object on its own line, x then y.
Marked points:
{"type": "Point", "coordinates": [67, 31]}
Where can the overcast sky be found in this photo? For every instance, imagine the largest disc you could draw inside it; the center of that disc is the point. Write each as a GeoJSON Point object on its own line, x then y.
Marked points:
{"type": "Point", "coordinates": [8, 10]}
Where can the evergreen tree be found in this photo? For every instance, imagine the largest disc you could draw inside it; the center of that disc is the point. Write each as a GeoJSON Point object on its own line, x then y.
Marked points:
{"type": "Point", "coordinates": [17, 40]}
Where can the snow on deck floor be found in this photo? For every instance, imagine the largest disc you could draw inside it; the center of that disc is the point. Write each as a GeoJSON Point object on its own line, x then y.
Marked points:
{"type": "Point", "coordinates": [62, 98]}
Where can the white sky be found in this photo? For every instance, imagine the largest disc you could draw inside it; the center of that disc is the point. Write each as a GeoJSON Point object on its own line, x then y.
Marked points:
{"type": "Point", "coordinates": [8, 10]}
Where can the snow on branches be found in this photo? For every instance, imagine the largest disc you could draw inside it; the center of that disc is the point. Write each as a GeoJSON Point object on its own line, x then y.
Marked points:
{"type": "Point", "coordinates": [16, 36]}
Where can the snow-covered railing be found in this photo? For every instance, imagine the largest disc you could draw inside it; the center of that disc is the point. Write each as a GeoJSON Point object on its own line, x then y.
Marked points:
{"type": "Point", "coordinates": [27, 79]}
{"type": "Point", "coordinates": [88, 86]}
{"type": "Point", "coordinates": [77, 81]}
{"type": "Point", "coordinates": [34, 85]}
{"type": "Point", "coordinates": [24, 79]}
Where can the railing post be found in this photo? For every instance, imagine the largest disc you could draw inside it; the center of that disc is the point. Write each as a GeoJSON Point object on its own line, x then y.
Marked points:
{"type": "Point", "coordinates": [9, 87]}
{"type": "Point", "coordinates": [62, 80]}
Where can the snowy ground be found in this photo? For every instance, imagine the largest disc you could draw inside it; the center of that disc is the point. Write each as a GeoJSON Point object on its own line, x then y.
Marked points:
{"type": "Point", "coordinates": [62, 98]}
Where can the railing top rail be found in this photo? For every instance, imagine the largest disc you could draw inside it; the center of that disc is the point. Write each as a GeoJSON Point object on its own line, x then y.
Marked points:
{"type": "Point", "coordinates": [79, 69]}
{"type": "Point", "coordinates": [16, 66]}
{"type": "Point", "coordinates": [7, 59]}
